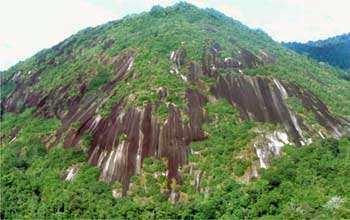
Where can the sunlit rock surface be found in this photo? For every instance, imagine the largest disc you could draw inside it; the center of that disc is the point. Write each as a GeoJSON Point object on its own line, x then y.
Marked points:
{"type": "Point", "coordinates": [263, 99]}
{"type": "Point", "coordinates": [270, 145]}
{"type": "Point", "coordinates": [128, 134]}
{"type": "Point", "coordinates": [70, 173]}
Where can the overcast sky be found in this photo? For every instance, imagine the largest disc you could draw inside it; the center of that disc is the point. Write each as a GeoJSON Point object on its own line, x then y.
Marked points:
{"type": "Point", "coordinates": [27, 26]}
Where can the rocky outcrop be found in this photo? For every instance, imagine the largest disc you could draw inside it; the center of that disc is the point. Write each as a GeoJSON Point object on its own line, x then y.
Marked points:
{"type": "Point", "coordinates": [212, 61]}
{"type": "Point", "coordinates": [70, 173]}
{"type": "Point", "coordinates": [121, 140]}
{"type": "Point", "coordinates": [57, 101]}
{"type": "Point", "coordinates": [196, 114]}
{"type": "Point", "coordinates": [270, 145]}
{"type": "Point", "coordinates": [21, 97]}
{"type": "Point", "coordinates": [178, 58]}
{"type": "Point", "coordinates": [320, 110]}
{"type": "Point", "coordinates": [263, 99]}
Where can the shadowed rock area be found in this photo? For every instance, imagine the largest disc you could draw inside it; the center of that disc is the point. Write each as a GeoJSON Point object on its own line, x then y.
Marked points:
{"type": "Point", "coordinates": [176, 113]}
{"type": "Point", "coordinates": [263, 99]}
{"type": "Point", "coordinates": [121, 140]}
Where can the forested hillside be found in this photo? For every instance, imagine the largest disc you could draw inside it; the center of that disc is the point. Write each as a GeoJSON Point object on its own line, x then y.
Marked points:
{"type": "Point", "coordinates": [176, 113]}
{"type": "Point", "coordinates": [335, 51]}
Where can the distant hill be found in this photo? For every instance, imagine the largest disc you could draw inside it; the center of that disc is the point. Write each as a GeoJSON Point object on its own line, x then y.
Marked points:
{"type": "Point", "coordinates": [334, 51]}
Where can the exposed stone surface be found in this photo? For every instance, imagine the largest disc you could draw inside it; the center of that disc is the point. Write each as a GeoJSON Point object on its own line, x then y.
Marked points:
{"type": "Point", "coordinates": [70, 173]}
{"type": "Point", "coordinates": [116, 194]}
{"type": "Point", "coordinates": [173, 197]}
{"type": "Point", "coordinates": [195, 72]}
{"type": "Point", "coordinates": [11, 136]}
{"type": "Point", "coordinates": [178, 58]}
{"type": "Point", "coordinates": [122, 139]}
{"type": "Point", "coordinates": [323, 115]}
{"type": "Point", "coordinates": [212, 62]}
{"type": "Point", "coordinates": [270, 145]}
{"type": "Point", "coordinates": [263, 99]}
{"type": "Point", "coordinates": [196, 114]}
{"type": "Point", "coordinates": [266, 57]}
{"type": "Point", "coordinates": [21, 97]}
{"type": "Point", "coordinates": [120, 158]}
{"type": "Point", "coordinates": [57, 101]}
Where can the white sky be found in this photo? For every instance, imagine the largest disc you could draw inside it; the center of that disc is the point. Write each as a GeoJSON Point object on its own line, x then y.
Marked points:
{"type": "Point", "coordinates": [27, 26]}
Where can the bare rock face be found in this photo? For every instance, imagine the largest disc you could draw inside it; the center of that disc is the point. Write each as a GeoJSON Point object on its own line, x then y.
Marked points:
{"type": "Point", "coordinates": [178, 59]}
{"type": "Point", "coordinates": [196, 114]}
{"type": "Point", "coordinates": [212, 61]}
{"type": "Point", "coordinates": [172, 143]}
{"type": "Point", "coordinates": [263, 99]}
{"type": "Point", "coordinates": [116, 194]}
{"type": "Point", "coordinates": [125, 137]}
{"type": "Point", "coordinates": [248, 59]}
{"type": "Point", "coordinates": [55, 102]}
{"type": "Point", "coordinates": [70, 173]}
{"type": "Point", "coordinates": [21, 96]}
{"type": "Point", "coordinates": [323, 115]}
{"type": "Point", "coordinates": [258, 99]}
{"type": "Point", "coordinates": [270, 145]}
{"type": "Point", "coordinates": [195, 72]}
{"type": "Point", "coordinates": [266, 57]}
{"type": "Point", "coordinates": [121, 141]}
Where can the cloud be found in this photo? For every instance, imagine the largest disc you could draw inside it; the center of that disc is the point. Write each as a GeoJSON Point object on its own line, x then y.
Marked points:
{"type": "Point", "coordinates": [29, 26]}
{"type": "Point", "coordinates": [124, 7]}
{"type": "Point", "coordinates": [231, 11]}
{"type": "Point", "coordinates": [311, 19]}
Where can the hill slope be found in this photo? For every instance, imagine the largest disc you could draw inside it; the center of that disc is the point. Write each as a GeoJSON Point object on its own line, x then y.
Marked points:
{"type": "Point", "coordinates": [175, 113]}
{"type": "Point", "coordinates": [334, 51]}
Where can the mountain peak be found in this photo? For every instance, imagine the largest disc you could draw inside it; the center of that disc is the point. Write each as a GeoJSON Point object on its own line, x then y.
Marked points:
{"type": "Point", "coordinates": [174, 106]}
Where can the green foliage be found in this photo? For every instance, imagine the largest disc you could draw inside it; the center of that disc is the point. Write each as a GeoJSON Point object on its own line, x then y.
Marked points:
{"type": "Point", "coordinates": [300, 184]}
{"type": "Point", "coordinates": [308, 116]}
{"type": "Point", "coordinates": [154, 35]}
{"type": "Point", "coordinates": [307, 182]}
{"type": "Point", "coordinates": [241, 167]}
{"type": "Point", "coordinates": [6, 89]}
{"type": "Point", "coordinates": [296, 105]}
{"type": "Point", "coordinates": [318, 79]}
{"type": "Point", "coordinates": [335, 50]}
{"type": "Point", "coordinates": [102, 77]}
{"type": "Point", "coordinates": [227, 138]}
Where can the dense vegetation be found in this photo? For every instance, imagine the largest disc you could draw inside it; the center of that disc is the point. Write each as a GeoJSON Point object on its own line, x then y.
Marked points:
{"type": "Point", "coordinates": [153, 36]}
{"type": "Point", "coordinates": [335, 51]}
{"type": "Point", "coordinates": [308, 182]}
